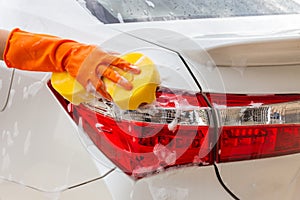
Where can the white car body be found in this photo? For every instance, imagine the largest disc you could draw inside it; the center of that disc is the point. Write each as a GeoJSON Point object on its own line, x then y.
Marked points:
{"type": "Point", "coordinates": [42, 155]}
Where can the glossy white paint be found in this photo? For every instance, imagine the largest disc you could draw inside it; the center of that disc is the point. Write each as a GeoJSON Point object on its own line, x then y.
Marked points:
{"type": "Point", "coordinates": [213, 32]}
{"type": "Point", "coordinates": [39, 143]}
{"type": "Point", "coordinates": [207, 34]}
{"type": "Point", "coordinates": [273, 178]}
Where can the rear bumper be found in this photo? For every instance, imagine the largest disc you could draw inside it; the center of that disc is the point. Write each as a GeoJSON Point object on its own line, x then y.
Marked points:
{"type": "Point", "coordinates": [189, 183]}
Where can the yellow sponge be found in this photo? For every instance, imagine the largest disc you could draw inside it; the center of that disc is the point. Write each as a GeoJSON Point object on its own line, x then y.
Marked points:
{"type": "Point", "coordinates": [144, 85]}
{"type": "Point", "coordinates": [69, 88]}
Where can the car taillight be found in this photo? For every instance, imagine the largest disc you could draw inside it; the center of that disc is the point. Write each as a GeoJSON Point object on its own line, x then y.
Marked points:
{"type": "Point", "coordinates": [182, 129]}
{"type": "Point", "coordinates": [171, 132]}
{"type": "Point", "coordinates": [258, 126]}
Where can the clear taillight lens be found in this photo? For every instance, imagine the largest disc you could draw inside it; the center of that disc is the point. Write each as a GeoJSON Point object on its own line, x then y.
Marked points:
{"type": "Point", "coordinates": [173, 131]}
{"type": "Point", "coordinates": [258, 126]}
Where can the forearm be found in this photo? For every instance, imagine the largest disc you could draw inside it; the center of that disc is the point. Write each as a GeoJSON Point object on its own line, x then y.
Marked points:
{"type": "Point", "coordinates": [40, 52]}
{"type": "Point", "coordinates": [3, 38]}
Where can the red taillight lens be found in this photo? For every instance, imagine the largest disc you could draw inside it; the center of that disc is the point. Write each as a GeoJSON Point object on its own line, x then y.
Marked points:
{"type": "Point", "coordinates": [252, 142]}
{"type": "Point", "coordinates": [258, 126]}
{"type": "Point", "coordinates": [174, 131]}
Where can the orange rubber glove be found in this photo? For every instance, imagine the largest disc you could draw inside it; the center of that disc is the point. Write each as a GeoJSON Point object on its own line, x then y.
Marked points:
{"type": "Point", "coordinates": [87, 63]}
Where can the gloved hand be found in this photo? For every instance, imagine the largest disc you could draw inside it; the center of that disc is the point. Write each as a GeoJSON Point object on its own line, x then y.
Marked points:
{"type": "Point", "coordinates": [87, 63]}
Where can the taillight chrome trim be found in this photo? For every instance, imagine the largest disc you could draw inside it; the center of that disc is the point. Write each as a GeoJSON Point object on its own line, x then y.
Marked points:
{"type": "Point", "coordinates": [191, 116]}
{"type": "Point", "coordinates": [279, 113]}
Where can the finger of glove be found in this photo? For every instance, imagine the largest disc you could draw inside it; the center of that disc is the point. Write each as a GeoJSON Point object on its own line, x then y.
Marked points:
{"type": "Point", "coordinates": [116, 78]}
{"type": "Point", "coordinates": [121, 63]}
{"type": "Point", "coordinates": [99, 86]}
{"type": "Point", "coordinates": [104, 94]}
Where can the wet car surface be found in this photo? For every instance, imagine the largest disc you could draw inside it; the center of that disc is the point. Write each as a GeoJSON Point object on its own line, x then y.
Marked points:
{"type": "Point", "coordinates": [224, 126]}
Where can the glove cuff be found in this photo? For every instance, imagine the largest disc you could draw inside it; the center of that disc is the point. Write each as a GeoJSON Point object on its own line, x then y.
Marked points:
{"type": "Point", "coordinates": [7, 49]}
{"type": "Point", "coordinates": [41, 52]}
